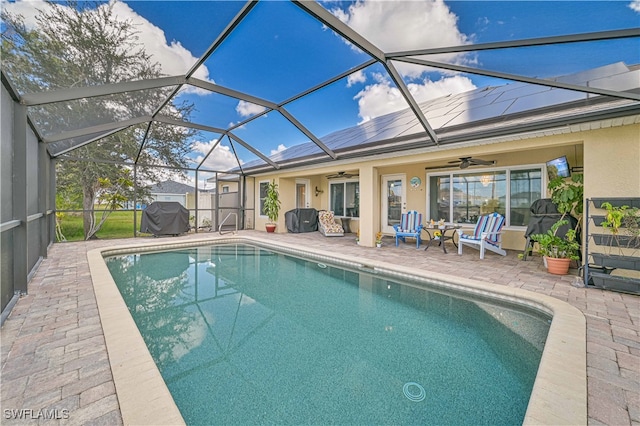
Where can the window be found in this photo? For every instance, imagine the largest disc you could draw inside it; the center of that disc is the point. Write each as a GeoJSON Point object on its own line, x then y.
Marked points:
{"type": "Point", "coordinates": [225, 189]}
{"type": "Point", "coordinates": [463, 197]}
{"type": "Point", "coordinates": [526, 187]}
{"type": "Point", "coordinates": [263, 195]}
{"type": "Point", "coordinates": [345, 198]}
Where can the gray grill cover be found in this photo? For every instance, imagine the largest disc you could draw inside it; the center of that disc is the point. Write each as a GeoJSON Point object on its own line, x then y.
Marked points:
{"type": "Point", "coordinates": [301, 220]}
{"type": "Point", "coordinates": [543, 215]}
{"type": "Point", "coordinates": [165, 218]}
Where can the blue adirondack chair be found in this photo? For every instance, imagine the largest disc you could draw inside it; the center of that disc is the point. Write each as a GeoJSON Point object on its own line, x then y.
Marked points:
{"type": "Point", "coordinates": [487, 235]}
{"type": "Point", "coordinates": [410, 226]}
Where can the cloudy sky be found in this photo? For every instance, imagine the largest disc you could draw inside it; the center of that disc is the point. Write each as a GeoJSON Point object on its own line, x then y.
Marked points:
{"type": "Point", "coordinates": [278, 52]}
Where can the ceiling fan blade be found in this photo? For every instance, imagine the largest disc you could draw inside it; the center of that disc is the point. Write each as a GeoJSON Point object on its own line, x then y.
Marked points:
{"type": "Point", "coordinates": [444, 166]}
{"type": "Point", "coordinates": [344, 175]}
{"type": "Point", "coordinates": [480, 162]}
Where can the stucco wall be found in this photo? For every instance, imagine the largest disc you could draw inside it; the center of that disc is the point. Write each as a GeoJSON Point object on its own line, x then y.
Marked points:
{"type": "Point", "coordinates": [611, 160]}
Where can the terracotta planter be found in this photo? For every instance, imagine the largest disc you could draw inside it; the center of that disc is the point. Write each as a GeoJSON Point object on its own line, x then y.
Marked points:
{"type": "Point", "coordinates": [558, 266]}
{"type": "Point", "coordinates": [271, 227]}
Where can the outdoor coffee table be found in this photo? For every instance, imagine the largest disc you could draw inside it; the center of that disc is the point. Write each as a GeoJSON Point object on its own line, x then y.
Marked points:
{"type": "Point", "coordinates": [443, 229]}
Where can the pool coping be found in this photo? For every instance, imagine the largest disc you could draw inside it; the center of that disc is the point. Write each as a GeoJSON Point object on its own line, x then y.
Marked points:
{"type": "Point", "coordinates": [559, 394]}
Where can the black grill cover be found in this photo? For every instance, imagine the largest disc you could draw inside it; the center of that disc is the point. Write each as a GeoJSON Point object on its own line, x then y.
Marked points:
{"type": "Point", "coordinates": [543, 215]}
{"type": "Point", "coordinates": [165, 218]}
{"type": "Point", "coordinates": [301, 220]}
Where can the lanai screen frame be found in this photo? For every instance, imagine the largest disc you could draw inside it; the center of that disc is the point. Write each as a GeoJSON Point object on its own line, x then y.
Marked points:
{"type": "Point", "coordinates": [23, 127]}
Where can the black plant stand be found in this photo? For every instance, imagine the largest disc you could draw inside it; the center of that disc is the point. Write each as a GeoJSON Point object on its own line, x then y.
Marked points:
{"type": "Point", "coordinates": [601, 268]}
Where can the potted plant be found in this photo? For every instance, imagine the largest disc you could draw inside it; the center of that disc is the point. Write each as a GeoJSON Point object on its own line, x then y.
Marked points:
{"type": "Point", "coordinates": [568, 195]}
{"type": "Point", "coordinates": [271, 207]}
{"type": "Point", "coordinates": [558, 251]}
{"type": "Point", "coordinates": [379, 239]}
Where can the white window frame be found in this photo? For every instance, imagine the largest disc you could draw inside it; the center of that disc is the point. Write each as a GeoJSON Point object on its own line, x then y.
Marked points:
{"type": "Point", "coordinates": [260, 214]}
{"type": "Point", "coordinates": [507, 169]}
{"type": "Point", "coordinates": [344, 183]}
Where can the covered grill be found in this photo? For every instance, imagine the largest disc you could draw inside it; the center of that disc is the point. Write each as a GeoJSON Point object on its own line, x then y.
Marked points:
{"type": "Point", "coordinates": [543, 215]}
{"type": "Point", "coordinates": [165, 218]}
{"type": "Point", "coordinates": [301, 220]}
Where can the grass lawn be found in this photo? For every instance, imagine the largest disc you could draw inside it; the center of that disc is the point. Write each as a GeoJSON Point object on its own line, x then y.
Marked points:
{"type": "Point", "coordinates": [119, 224]}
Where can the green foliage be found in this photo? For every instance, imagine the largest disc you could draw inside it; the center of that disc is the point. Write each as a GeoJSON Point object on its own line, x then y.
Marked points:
{"type": "Point", "coordinates": [271, 206]}
{"type": "Point", "coordinates": [622, 220]}
{"type": "Point", "coordinates": [568, 195]}
{"type": "Point", "coordinates": [621, 217]}
{"type": "Point", "coordinates": [551, 245]}
{"type": "Point", "coordinates": [78, 44]}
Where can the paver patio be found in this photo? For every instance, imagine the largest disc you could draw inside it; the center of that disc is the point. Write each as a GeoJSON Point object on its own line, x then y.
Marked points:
{"type": "Point", "coordinates": [54, 356]}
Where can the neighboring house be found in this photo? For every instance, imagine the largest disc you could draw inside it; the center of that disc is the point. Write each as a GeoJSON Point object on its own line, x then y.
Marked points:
{"type": "Point", "coordinates": [170, 190]}
{"type": "Point", "coordinates": [226, 184]}
{"type": "Point", "coordinates": [389, 164]}
{"type": "Point", "coordinates": [184, 194]}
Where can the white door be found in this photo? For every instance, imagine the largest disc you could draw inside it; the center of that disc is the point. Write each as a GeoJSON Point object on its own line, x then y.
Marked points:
{"type": "Point", "coordinates": [302, 193]}
{"type": "Point", "coordinates": [394, 200]}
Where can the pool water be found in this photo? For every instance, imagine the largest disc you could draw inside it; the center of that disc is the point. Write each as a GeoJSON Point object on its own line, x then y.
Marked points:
{"type": "Point", "coordinates": [244, 335]}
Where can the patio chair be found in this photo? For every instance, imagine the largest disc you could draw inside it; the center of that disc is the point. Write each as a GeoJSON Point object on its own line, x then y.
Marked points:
{"type": "Point", "coordinates": [328, 226]}
{"type": "Point", "coordinates": [487, 235]}
{"type": "Point", "coordinates": [410, 226]}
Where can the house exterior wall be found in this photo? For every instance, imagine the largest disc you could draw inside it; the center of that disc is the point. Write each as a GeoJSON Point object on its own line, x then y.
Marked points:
{"type": "Point", "coordinates": [610, 156]}
{"type": "Point", "coordinates": [179, 198]}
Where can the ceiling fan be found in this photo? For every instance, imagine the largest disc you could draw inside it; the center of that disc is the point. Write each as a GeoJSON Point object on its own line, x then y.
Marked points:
{"type": "Point", "coordinates": [464, 162]}
{"type": "Point", "coordinates": [343, 175]}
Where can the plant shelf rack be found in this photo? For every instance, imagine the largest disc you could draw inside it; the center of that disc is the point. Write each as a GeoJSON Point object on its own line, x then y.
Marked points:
{"type": "Point", "coordinates": [619, 271]}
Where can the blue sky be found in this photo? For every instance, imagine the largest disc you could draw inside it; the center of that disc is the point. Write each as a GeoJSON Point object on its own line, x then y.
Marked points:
{"type": "Point", "coordinates": [280, 51]}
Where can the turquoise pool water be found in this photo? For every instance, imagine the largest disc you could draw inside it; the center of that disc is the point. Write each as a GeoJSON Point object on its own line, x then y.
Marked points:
{"type": "Point", "coordinates": [244, 335]}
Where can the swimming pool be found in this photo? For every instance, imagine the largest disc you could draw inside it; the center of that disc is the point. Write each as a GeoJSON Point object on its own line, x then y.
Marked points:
{"type": "Point", "coordinates": [559, 393]}
{"type": "Point", "coordinates": [246, 335]}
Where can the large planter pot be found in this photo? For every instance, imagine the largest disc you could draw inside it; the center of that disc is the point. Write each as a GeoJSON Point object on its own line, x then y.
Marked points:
{"type": "Point", "coordinates": [558, 266]}
{"type": "Point", "coordinates": [271, 227]}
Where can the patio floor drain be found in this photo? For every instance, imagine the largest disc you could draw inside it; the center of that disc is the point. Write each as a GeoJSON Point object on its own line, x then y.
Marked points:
{"type": "Point", "coordinates": [414, 392]}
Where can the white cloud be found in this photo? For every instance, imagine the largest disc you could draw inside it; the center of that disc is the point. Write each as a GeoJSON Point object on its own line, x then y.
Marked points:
{"type": "Point", "coordinates": [401, 25]}
{"type": "Point", "coordinates": [428, 89]}
{"type": "Point", "coordinates": [379, 99]}
{"type": "Point", "coordinates": [221, 158]}
{"type": "Point", "coordinates": [174, 58]}
{"type": "Point", "coordinates": [382, 98]}
{"type": "Point", "coordinates": [248, 109]}
{"type": "Point", "coordinates": [281, 147]}
{"type": "Point", "coordinates": [356, 77]}
{"type": "Point", "coordinates": [635, 5]}
{"type": "Point", "coordinates": [27, 8]}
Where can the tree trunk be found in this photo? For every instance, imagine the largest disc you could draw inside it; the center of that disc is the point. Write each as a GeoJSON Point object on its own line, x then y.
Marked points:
{"type": "Point", "coordinates": [88, 195]}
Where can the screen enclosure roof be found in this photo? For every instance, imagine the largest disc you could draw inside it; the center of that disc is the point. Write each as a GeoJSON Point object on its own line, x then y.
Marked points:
{"type": "Point", "coordinates": [272, 85]}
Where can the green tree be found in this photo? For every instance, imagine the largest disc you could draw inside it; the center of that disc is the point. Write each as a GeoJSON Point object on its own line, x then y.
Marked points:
{"type": "Point", "coordinates": [86, 44]}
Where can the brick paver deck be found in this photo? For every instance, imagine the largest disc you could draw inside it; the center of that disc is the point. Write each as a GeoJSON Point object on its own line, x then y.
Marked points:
{"type": "Point", "coordinates": [55, 362]}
